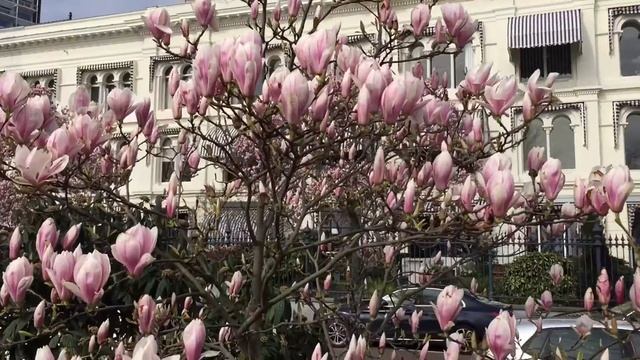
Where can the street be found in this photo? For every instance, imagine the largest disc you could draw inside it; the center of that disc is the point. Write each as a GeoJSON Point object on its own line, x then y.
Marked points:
{"type": "Point", "coordinates": [402, 354]}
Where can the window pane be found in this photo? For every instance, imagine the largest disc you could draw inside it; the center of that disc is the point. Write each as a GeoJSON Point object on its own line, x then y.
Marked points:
{"type": "Point", "coordinates": [95, 88]}
{"type": "Point", "coordinates": [441, 64]}
{"type": "Point", "coordinates": [630, 50]}
{"type": "Point", "coordinates": [562, 142]}
{"type": "Point", "coordinates": [632, 141]}
{"type": "Point", "coordinates": [559, 59]}
{"type": "Point", "coordinates": [187, 72]}
{"type": "Point", "coordinates": [545, 343]}
{"type": "Point", "coordinates": [110, 82]}
{"type": "Point", "coordinates": [535, 137]}
{"type": "Point", "coordinates": [460, 68]}
{"type": "Point", "coordinates": [531, 60]}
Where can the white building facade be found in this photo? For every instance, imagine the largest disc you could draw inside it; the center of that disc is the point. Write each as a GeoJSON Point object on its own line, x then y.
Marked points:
{"type": "Point", "coordinates": [593, 44]}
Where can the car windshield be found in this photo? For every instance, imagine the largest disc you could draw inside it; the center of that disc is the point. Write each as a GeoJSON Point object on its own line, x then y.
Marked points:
{"type": "Point", "coordinates": [543, 345]}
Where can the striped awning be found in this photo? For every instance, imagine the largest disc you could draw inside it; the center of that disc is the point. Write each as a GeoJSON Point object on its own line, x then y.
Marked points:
{"type": "Point", "coordinates": [538, 30]}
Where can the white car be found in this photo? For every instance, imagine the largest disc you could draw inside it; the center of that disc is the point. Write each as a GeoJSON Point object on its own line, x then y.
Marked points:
{"type": "Point", "coordinates": [559, 333]}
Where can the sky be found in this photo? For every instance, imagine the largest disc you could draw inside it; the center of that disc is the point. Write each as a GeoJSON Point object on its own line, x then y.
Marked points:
{"type": "Point", "coordinates": [53, 10]}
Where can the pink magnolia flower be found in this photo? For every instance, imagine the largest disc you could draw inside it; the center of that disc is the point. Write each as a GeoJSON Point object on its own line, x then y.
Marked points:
{"type": "Point", "coordinates": [382, 343]}
{"type": "Point", "coordinates": [317, 353]}
{"type": "Point", "coordinates": [235, 285]}
{"type": "Point", "coordinates": [476, 79]}
{"type": "Point", "coordinates": [326, 285]}
{"type": "Point", "coordinates": [389, 254]}
{"type": "Point", "coordinates": [583, 325]}
{"type": "Point", "coordinates": [89, 132]}
{"type": "Point", "coordinates": [415, 321]}
{"type": "Point", "coordinates": [146, 349]}
{"type": "Point", "coordinates": [551, 178]}
{"type": "Point", "coordinates": [588, 299]}
{"type": "Point", "coordinates": [420, 16]}
{"type": "Point", "coordinates": [205, 11]}
{"type": "Point", "coordinates": [535, 158]}
{"type": "Point", "coordinates": [37, 166]}
{"type": "Point", "coordinates": [603, 288]}
{"type": "Point", "coordinates": [501, 335]}
{"type": "Point", "coordinates": [424, 351]}
{"type": "Point", "coordinates": [598, 200]}
{"type": "Point", "coordinates": [316, 50]}
{"type": "Point", "coordinates": [442, 168]}
{"type": "Point", "coordinates": [580, 197]}
{"type": "Point", "coordinates": [348, 59]}
{"type": "Point", "coordinates": [25, 122]}
{"type": "Point", "coordinates": [546, 300]}
{"type": "Point", "coordinates": [170, 204]}
{"type": "Point", "coordinates": [63, 142]}
{"type": "Point", "coordinates": [409, 197]}
{"type": "Point", "coordinates": [468, 193]}
{"type": "Point", "coordinates": [47, 236]}
{"type": "Point", "coordinates": [568, 210]}
{"type": "Point", "coordinates": [617, 185]}
{"type": "Point", "coordinates": [103, 332]}
{"type": "Point", "coordinates": [71, 236]}
{"type": "Point", "coordinates": [247, 65]}
{"type": "Point", "coordinates": [158, 23]}
{"type": "Point", "coordinates": [17, 279]}
{"type": "Point", "coordinates": [44, 353]}
{"type": "Point", "coordinates": [619, 290]}
{"type": "Point", "coordinates": [38, 315]}
{"type": "Point", "coordinates": [194, 160]}
{"type": "Point", "coordinates": [133, 248]}
{"type": "Point", "coordinates": [634, 291]}
{"type": "Point", "coordinates": [80, 100]}
{"type": "Point", "coordinates": [293, 7]}
{"type": "Point", "coordinates": [454, 341]}
{"type": "Point", "coordinates": [540, 94]}
{"type": "Point", "coordinates": [146, 314]}
{"type": "Point", "coordinates": [374, 304]}
{"type": "Point", "coordinates": [448, 306]}
{"type": "Point", "coordinates": [320, 105]}
{"type": "Point", "coordinates": [255, 7]}
{"type": "Point", "coordinates": [295, 97]}
{"type": "Point", "coordinates": [206, 66]}
{"type": "Point", "coordinates": [501, 96]}
{"type": "Point", "coordinates": [500, 191]}
{"type": "Point", "coordinates": [273, 88]}
{"type": "Point", "coordinates": [15, 243]}
{"type": "Point", "coordinates": [90, 274]}
{"type": "Point", "coordinates": [60, 272]}
{"type": "Point", "coordinates": [557, 274]}
{"type": "Point", "coordinates": [459, 24]}
{"type": "Point", "coordinates": [224, 335]}
{"type": "Point", "coordinates": [14, 91]}
{"type": "Point", "coordinates": [496, 162]}
{"type": "Point", "coordinates": [193, 338]}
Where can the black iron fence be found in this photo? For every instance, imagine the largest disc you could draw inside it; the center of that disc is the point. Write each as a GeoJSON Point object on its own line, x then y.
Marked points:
{"type": "Point", "coordinates": [519, 267]}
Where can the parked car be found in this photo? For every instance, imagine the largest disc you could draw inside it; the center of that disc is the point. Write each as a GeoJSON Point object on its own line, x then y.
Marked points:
{"type": "Point", "coordinates": [475, 316]}
{"type": "Point", "coordinates": [560, 333]}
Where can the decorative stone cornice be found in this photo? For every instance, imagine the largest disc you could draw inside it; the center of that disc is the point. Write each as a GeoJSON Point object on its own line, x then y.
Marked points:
{"type": "Point", "coordinates": [128, 65]}
{"type": "Point", "coordinates": [617, 108]}
{"type": "Point", "coordinates": [616, 12]}
{"type": "Point", "coordinates": [579, 106]}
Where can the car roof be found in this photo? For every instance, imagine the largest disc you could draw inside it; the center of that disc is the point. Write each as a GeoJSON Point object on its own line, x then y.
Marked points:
{"type": "Point", "coordinates": [526, 329]}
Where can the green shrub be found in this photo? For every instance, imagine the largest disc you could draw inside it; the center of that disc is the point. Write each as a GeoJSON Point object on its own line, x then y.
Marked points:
{"type": "Point", "coordinates": [528, 275]}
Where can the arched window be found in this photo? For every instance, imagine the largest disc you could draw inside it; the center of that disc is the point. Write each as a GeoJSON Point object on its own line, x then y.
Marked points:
{"type": "Point", "coordinates": [36, 83]}
{"type": "Point", "coordinates": [126, 81]}
{"type": "Point", "coordinates": [187, 73]}
{"type": "Point", "coordinates": [95, 88]}
{"type": "Point", "coordinates": [630, 49]}
{"type": "Point", "coordinates": [535, 137]}
{"type": "Point", "coordinates": [51, 85]}
{"type": "Point", "coordinates": [414, 53]}
{"type": "Point", "coordinates": [167, 158]}
{"type": "Point", "coordinates": [632, 141]}
{"type": "Point", "coordinates": [110, 83]}
{"type": "Point", "coordinates": [166, 98]}
{"type": "Point", "coordinates": [561, 141]}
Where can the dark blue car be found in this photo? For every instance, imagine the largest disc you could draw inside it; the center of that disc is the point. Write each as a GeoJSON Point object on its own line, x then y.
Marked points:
{"type": "Point", "coordinates": [476, 314]}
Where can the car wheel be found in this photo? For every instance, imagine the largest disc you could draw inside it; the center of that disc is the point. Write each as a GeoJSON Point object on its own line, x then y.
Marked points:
{"type": "Point", "coordinates": [467, 334]}
{"type": "Point", "coordinates": [338, 333]}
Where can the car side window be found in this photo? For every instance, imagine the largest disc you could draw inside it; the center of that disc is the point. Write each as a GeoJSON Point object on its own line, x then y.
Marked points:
{"type": "Point", "coordinates": [429, 296]}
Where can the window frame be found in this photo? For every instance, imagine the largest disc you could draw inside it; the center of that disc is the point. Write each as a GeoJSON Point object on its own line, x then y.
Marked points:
{"type": "Point", "coordinates": [618, 27]}
{"type": "Point", "coordinates": [162, 75]}
{"type": "Point", "coordinates": [467, 55]}
{"type": "Point", "coordinates": [547, 119]}
{"type": "Point", "coordinates": [544, 69]}
{"type": "Point", "coordinates": [102, 83]}
{"type": "Point", "coordinates": [624, 115]}
{"type": "Point", "coordinates": [186, 175]}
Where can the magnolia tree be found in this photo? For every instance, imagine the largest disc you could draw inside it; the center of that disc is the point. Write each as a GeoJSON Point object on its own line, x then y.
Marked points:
{"type": "Point", "coordinates": [92, 272]}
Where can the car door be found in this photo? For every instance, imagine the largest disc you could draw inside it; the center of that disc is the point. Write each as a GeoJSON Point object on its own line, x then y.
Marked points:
{"type": "Point", "coordinates": [428, 321]}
